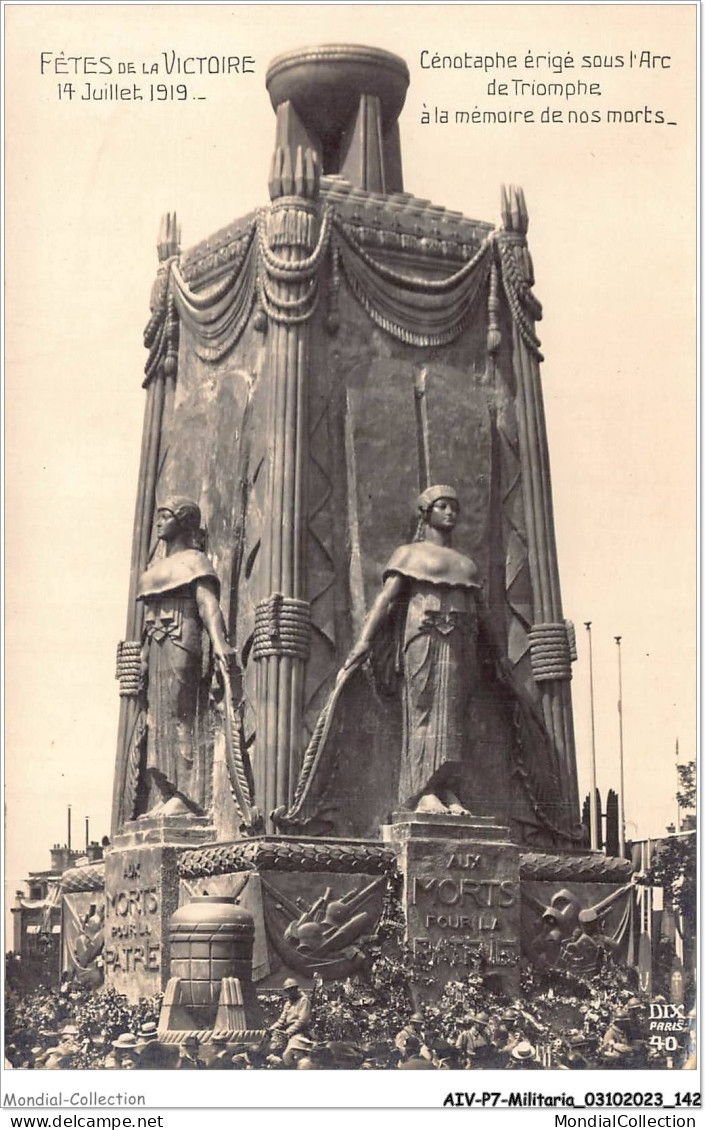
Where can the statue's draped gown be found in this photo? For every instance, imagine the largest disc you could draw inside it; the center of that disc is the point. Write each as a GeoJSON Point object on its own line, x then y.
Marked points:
{"type": "Point", "coordinates": [438, 659]}
{"type": "Point", "coordinates": [176, 688]}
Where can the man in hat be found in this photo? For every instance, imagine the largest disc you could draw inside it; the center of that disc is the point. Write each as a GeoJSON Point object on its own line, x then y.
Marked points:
{"type": "Point", "coordinates": [151, 1054]}
{"type": "Point", "coordinates": [124, 1054]}
{"type": "Point", "coordinates": [523, 1057]}
{"type": "Point", "coordinates": [412, 1038]}
{"type": "Point", "coordinates": [472, 1043]}
{"type": "Point", "coordinates": [289, 1036]}
{"type": "Point", "coordinates": [189, 1059]}
{"type": "Point", "coordinates": [635, 1011]}
{"type": "Point", "coordinates": [512, 1021]}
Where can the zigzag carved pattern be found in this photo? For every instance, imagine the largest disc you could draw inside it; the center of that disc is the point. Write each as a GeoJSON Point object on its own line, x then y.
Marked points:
{"type": "Point", "coordinates": [247, 595]}
{"type": "Point", "coordinates": [517, 576]}
{"type": "Point", "coordinates": [320, 565]}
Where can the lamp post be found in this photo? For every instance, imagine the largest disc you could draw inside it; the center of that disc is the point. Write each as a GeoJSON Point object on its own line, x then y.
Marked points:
{"type": "Point", "coordinates": [593, 765]}
{"type": "Point", "coordinates": [618, 641]}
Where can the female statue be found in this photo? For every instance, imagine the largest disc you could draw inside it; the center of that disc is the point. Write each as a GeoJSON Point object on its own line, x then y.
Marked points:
{"type": "Point", "coordinates": [427, 629]}
{"type": "Point", "coordinates": [181, 595]}
{"type": "Point", "coordinates": [433, 590]}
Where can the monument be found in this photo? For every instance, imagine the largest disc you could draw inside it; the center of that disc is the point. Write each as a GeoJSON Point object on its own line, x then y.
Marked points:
{"type": "Point", "coordinates": [345, 648]}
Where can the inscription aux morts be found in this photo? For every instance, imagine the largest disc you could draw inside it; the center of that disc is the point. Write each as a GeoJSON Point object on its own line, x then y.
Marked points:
{"type": "Point", "coordinates": [461, 903]}
{"type": "Point", "coordinates": [131, 918]}
{"type": "Point", "coordinates": [463, 908]}
{"type": "Point", "coordinates": [462, 951]}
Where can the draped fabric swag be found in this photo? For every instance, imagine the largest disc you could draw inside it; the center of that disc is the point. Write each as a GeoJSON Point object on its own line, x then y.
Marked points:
{"type": "Point", "coordinates": [415, 310]}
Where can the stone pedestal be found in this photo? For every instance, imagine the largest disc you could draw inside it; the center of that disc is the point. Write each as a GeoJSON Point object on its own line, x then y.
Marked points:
{"type": "Point", "coordinates": [141, 894]}
{"type": "Point", "coordinates": [461, 896]}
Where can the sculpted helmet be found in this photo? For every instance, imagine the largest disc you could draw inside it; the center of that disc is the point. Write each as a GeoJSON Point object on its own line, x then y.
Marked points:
{"type": "Point", "coordinates": [427, 497]}
{"type": "Point", "coordinates": [185, 509]}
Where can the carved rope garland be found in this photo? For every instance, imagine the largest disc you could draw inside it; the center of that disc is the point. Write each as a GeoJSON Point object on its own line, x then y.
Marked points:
{"type": "Point", "coordinates": [286, 855]}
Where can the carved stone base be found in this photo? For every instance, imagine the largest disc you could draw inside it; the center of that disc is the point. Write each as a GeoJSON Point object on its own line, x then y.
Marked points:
{"type": "Point", "coordinates": [185, 830]}
{"type": "Point", "coordinates": [461, 897]}
{"type": "Point", "coordinates": [315, 902]}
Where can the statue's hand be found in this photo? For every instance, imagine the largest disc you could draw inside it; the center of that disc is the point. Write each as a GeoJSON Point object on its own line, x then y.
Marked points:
{"type": "Point", "coordinates": [358, 653]}
{"type": "Point", "coordinates": [224, 655]}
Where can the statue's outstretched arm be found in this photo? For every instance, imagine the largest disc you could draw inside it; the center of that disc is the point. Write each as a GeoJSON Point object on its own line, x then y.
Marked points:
{"type": "Point", "coordinates": [378, 613]}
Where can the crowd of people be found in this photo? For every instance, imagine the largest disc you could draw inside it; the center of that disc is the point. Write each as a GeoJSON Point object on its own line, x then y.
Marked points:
{"type": "Point", "coordinates": [56, 1029]}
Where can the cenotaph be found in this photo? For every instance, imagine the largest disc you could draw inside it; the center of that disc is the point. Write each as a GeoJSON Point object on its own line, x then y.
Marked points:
{"type": "Point", "coordinates": [345, 648]}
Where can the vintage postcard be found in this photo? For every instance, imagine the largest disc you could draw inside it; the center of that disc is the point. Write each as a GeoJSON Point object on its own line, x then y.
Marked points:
{"type": "Point", "coordinates": [350, 401]}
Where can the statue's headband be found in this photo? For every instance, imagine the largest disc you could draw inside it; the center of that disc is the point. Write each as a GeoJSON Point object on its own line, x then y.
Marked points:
{"type": "Point", "coordinates": [432, 494]}
{"type": "Point", "coordinates": [181, 507]}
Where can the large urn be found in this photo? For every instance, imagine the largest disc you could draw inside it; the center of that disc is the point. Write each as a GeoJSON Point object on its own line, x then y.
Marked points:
{"type": "Point", "coordinates": [211, 941]}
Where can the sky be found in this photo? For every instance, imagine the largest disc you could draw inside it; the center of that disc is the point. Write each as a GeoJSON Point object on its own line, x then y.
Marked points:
{"type": "Point", "coordinates": [612, 224]}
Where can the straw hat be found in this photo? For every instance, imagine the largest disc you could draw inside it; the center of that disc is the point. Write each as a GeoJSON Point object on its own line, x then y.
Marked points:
{"type": "Point", "coordinates": [125, 1040]}
{"type": "Point", "coordinates": [524, 1051]}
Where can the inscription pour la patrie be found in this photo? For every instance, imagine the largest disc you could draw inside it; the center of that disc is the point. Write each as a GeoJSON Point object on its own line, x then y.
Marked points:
{"type": "Point", "coordinates": [132, 913]}
{"type": "Point", "coordinates": [462, 916]}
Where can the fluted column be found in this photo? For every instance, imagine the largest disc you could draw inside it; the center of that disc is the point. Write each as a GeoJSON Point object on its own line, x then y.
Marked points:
{"type": "Point", "coordinates": [287, 290]}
